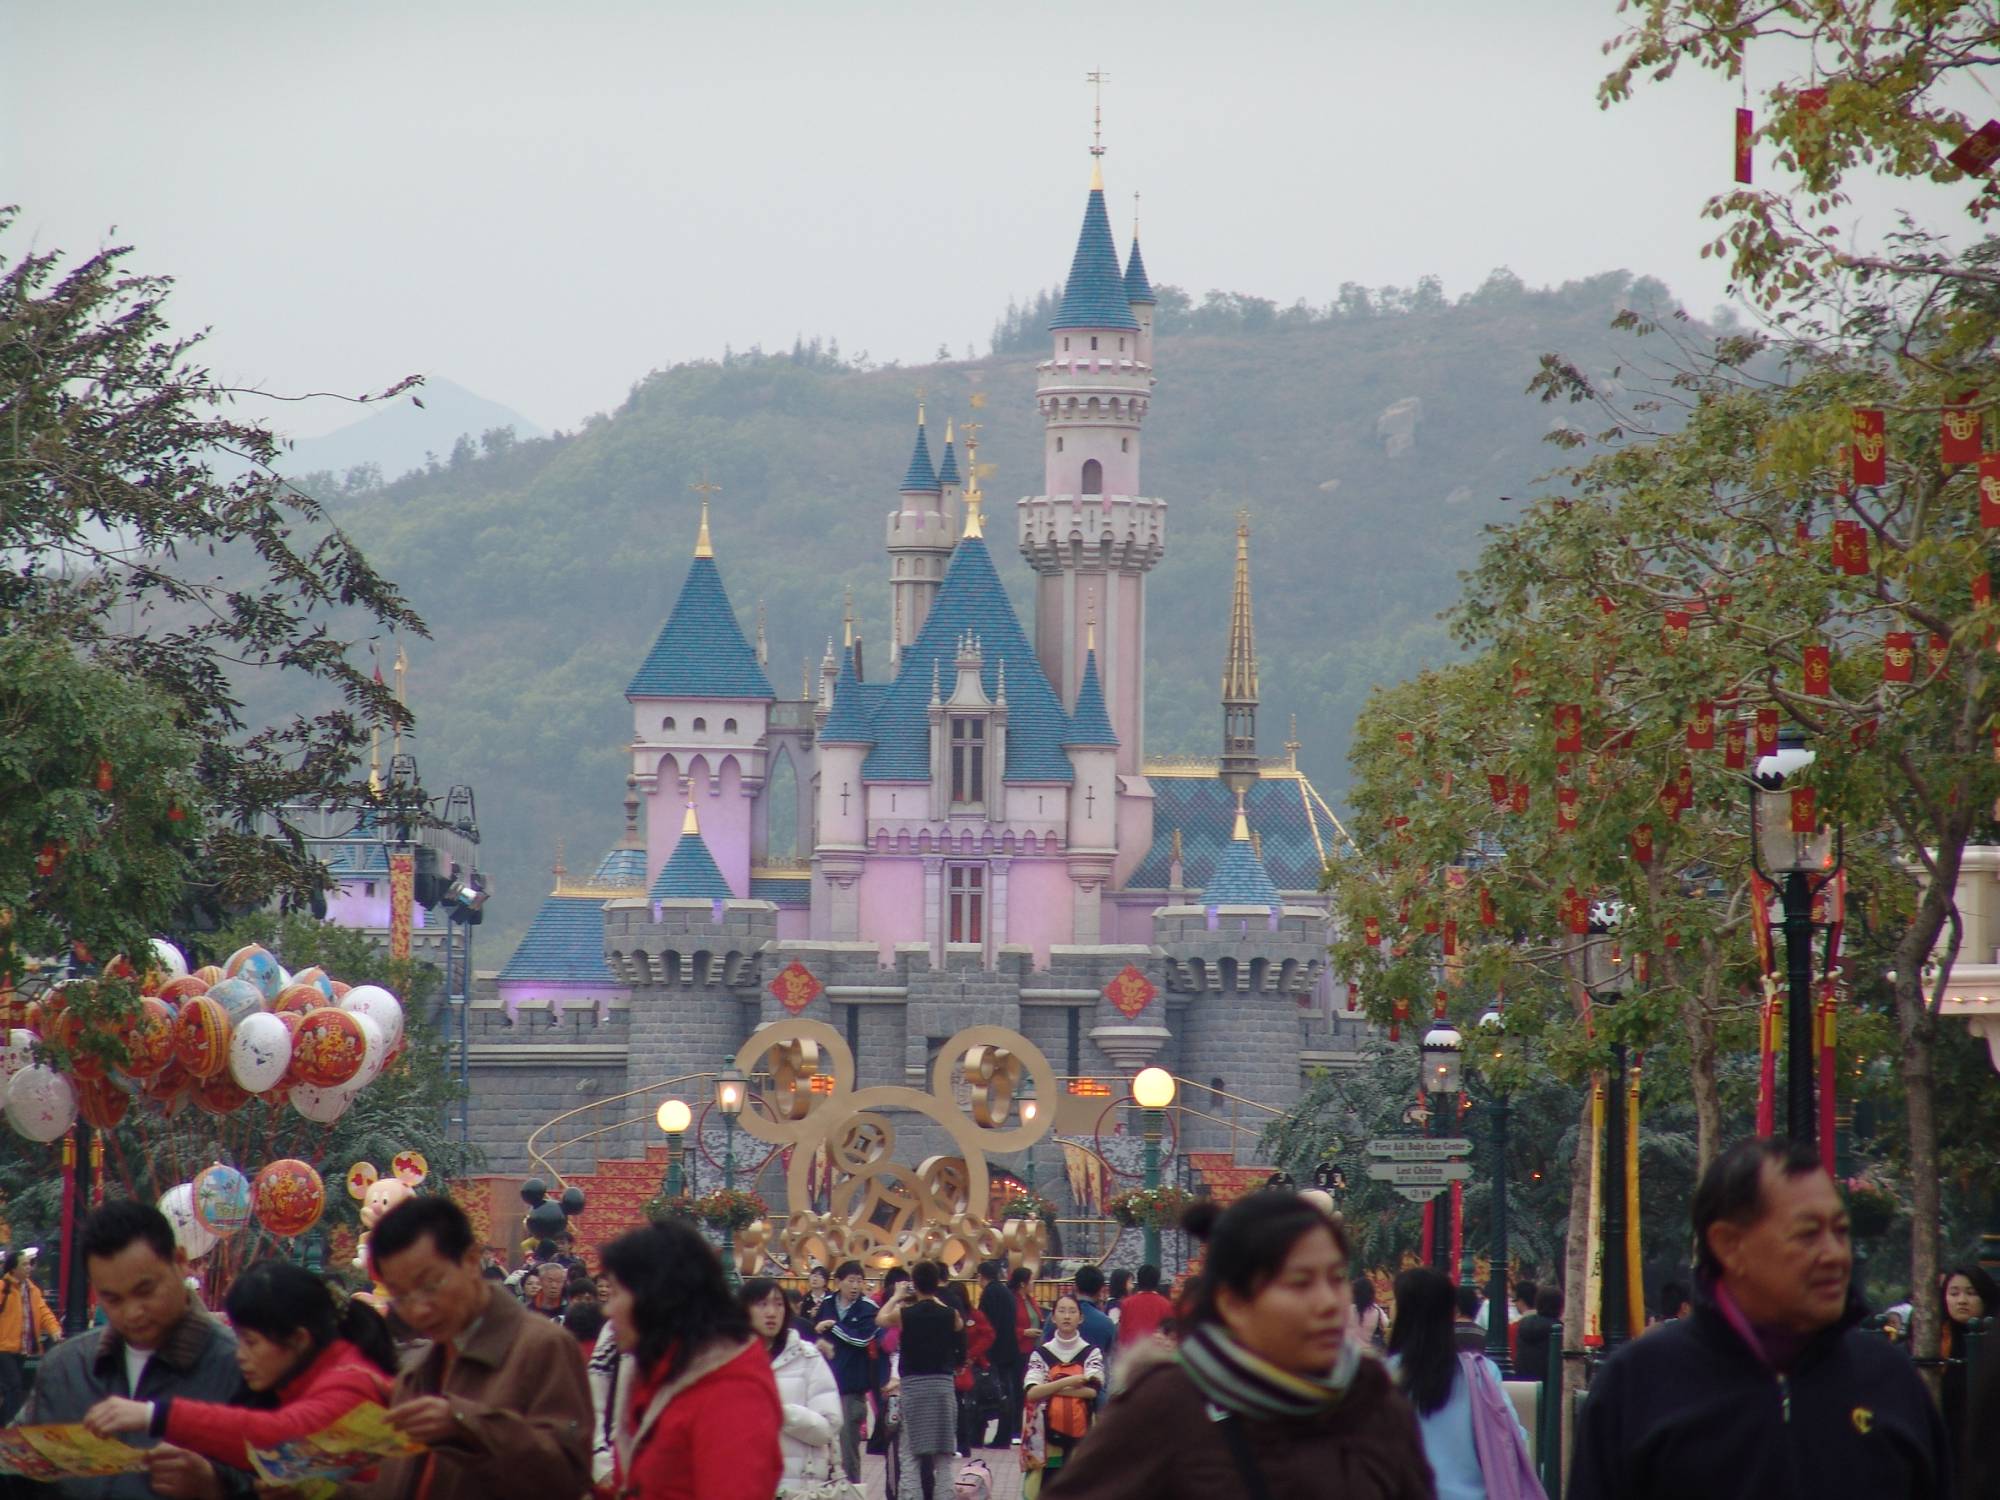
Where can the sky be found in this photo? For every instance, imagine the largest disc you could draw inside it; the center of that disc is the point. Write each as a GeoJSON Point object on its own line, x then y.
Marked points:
{"type": "Point", "coordinates": [545, 202]}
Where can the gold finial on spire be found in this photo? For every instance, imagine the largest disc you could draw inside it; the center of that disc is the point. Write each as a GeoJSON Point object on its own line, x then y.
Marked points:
{"type": "Point", "coordinates": [703, 547]}
{"type": "Point", "coordinates": [920, 408]}
{"type": "Point", "coordinates": [1242, 831]}
{"type": "Point", "coordinates": [1292, 745]}
{"type": "Point", "coordinates": [1096, 78]}
{"type": "Point", "coordinates": [975, 519]}
{"type": "Point", "coordinates": [947, 429]}
{"type": "Point", "coordinates": [847, 617]}
{"type": "Point", "coordinates": [688, 823]}
{"type": "Point", "coordinates": [558, 870]}
{"type": "Point", "coordinates": [1239, 677]}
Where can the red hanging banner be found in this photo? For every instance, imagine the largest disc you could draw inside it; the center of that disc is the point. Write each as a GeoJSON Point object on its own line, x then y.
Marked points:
{"type": "Point", "coordinates": [1989, 490]}
{"type": "Point", "coordinates": [1962, 438]}
{"type": "Point", "coordinates": [1733, 742]}
{"type": "Point", "coordinates": [1978, 151]}
{"type": "Point", "coordinates": [1575, 911]}
{"type": "Point", "coordinates": [1816, 671]}
{"type": "Point", "coordinates": [1701, 728]}
{"type": "Point", "coordinates": [1870, 447]}
{"type": "Point", "coordinates": [1565, 809]}
{"type": "Point", "coordinates": [1642, 844]}
{"type": "Point", "coordinates": [1674, 630]}
{"type": "Point", "coordinates": [1520, 797]}
{"type": "Point", "coordinates": [1448, 941]}
{"type": "Point", "coordinates": [1767, 731]}
{"type": "Point", "coordinates": [1488, 917]}
{"type": "Point", "coordinates": [1982, 590]}
{"type": "Point", "coordinates": [1804, 819]}
{"type": "Point", "coordinates": [1497, 788]}
{"type": "Point", "coordinates": [1569, 728]}
{"type": "Point", "coordinates": [1937, 655]}
{"type": "Point", "coordinates": [1899, 656]}
{"type": "Point", "coordinates": [1371, 931]}
{"type": "Point", "coordinates": [1746, 130]}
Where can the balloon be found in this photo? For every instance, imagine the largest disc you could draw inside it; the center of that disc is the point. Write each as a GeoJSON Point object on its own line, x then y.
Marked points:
{"type": "Point", "coordinates": [375, 1051]}
{"type": "Point", "coordinates": [239, 997]}
{"type": "Point", "coordinates": [410, 1168]}
{"type": "Point", "coordinates": [65, 1033]}
{"type": "Point", "coordinates": [321, 1106]}
{"type": "Point", "coordinates": [177, 1203]}
{"type": "Point", "coordinates": [168, 960]}
{"type": "Point", "coordinates": [41, 1103]}
{"type": "Point", "coordinates": [220, 1095]}
{"type": "Point", "coordinates": [387, 1010]}
{"type": "Point", "coordinates": [328, 1049]}
{"type": "Point", "coordinates": [288, 1196]}
{"type": "Point", "coordinates": [176, 990]}
{"type": "Point", "coordinates": [317, 978]}
{"type": "Point", "coordinates": [572, 1202]}
{"type": "Point", "coordinates": [547, 1220]}
{"type": "Point", "coordinates": [259, 1052]}
{"type": "Point", "coordinates": [167, 1089]}
{"type": "Point", "coordinates": [258, 967]}
{"type": "Point", "coordinates": [297, 999]}
{"type": "Point", "coordinates": [18, 1053]}
{"type": "Point", "coordinates": [533, 1191]}
{"type": "Point", "coordinates": [201, 1037]}
{"type": "Point", "coordinates": [221, 1200]}
{"type": "Point", "coordinates": [209, 975]}
{"type": "Point", "coordinates": [149, 1045]}
{"type": "Point", "coordinates": [360, 1178]}
{"type": "Point", "coordinates": [101, 1102]}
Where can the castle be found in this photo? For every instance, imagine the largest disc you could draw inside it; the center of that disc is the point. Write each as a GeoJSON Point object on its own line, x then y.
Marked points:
{"type": "Point", "coordinates": [975, 838]}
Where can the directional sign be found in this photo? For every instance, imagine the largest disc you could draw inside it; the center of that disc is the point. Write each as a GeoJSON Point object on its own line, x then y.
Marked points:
{"type": "Point", "coordinates": [1419, 1173]}
{"type": "Point", "coordinates": [1420, 1148]}
{"type": "Point", "coordinates": [1421, 1194]}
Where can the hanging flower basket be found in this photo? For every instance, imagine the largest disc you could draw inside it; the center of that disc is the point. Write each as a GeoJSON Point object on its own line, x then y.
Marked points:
{"type": "Point", "coordinates": [1150, 1208]}
{"type": "Point", "coordinates": [1029, 1206]}
{"type": "Point", "coordinates": [729, 1208]}
{"type": "Point", "coordinates": [1871, 1208]}
{"type": "Point", "coordinates": [680, 1207]}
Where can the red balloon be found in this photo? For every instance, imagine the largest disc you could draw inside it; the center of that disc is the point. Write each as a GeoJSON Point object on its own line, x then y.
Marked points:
{"type": "Point", "coordinates": [220, 1095]}
{"type": "Point", "coordinates": [210, 975]}
{"type": "Point", "coordinates": [101, 1103]}
{"type": "Point", "coordinates": [298, 998]}
{"type": "Point", "coordinates": [327, 1048]}
{"type": "Point", "coordinates": [65, 1033]}
{"type": "Point", "coordinates": [179, 989]}
{"type": "Point", "coordinates": [288, 1197]}
{"type": "Point", "coordinates": [149, 1045]}
{"type": "Point", "coordinates": [201, 1037]}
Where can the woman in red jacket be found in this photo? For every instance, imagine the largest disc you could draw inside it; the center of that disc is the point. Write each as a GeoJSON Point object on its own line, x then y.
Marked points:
{"type": "Point", "coordinates": [306, 1363]}
{"type": "Point", "coordinates": [703, 1418]}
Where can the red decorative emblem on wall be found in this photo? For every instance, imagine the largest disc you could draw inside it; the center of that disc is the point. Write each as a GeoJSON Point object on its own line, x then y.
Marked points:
{"type": "Point", "coordinates": [795, 987]}
{"type": "Point", "coordinates": [1131, 992]}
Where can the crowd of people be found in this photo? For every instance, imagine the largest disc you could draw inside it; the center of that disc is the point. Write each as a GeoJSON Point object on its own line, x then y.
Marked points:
{"type": "Point", "coordinates": [1273, 1373]}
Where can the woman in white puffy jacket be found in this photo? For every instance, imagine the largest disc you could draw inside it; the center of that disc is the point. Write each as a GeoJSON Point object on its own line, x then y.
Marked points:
{"type": "Point", "coordinates": [810, 1436]}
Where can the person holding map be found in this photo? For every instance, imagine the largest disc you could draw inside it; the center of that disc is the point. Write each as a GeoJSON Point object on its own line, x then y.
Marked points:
{"type": "Point", "coordinates": [158, 1343]}
{"type": "Point", "coordinates": [306, 1365]}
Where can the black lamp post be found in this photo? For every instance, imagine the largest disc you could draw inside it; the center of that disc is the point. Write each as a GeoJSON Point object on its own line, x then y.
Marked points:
{"type": "Point", "coordinates": [1607, 972]}
{"type": "Point", "coordinates": [1444, 1076]}
{"type": "Point", "coordinates": [1797, 854]}
{"type": "Point", "coordinates": [1492, 1029]}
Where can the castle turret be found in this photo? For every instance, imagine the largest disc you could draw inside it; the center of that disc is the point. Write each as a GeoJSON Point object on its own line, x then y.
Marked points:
{"type": "Point", "coordinates": [1093, 812]}
{"type": "Point", "coordinates": [1090, 534]}
{"type": "Point", "coordinates": [1139, 291]}
{"type": "Point", "coordinates": [1239, 676]}
{"type": "Point", "coordinates": [920, 543]}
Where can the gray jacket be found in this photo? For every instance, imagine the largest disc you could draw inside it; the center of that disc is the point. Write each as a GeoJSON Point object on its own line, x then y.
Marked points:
{"type": "Point", "coordinates": [196, 1359]}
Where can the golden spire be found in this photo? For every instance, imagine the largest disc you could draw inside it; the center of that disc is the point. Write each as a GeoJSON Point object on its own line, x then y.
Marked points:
{"type": "Point", "coordinates": [1097, 78]}
{"type": "Point", "coordinates": [688, 823]}
{"type": "Point", "coordinates": [1242, 831]}
{"type": "Point", "coordinates": [975, 519]}
{"type": "Point", "coordinates": [703, 547]}
{"type": "Point", "coordinates": [1097, 176]}
{"type": "Point", "coordinates": [847, 618]}
{"type": "Point", "coordinates": [947, 429]}
{"type": "Point", "coordinates": [1239, 675]}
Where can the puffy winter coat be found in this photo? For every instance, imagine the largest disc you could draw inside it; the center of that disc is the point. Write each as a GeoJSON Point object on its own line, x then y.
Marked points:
{"type": "Point", "coordinates": [334, 1381]}
{"type": "Point", "coordinates": [812, 1410]}
{"type": "Point", "coordinates": [715, 1435]}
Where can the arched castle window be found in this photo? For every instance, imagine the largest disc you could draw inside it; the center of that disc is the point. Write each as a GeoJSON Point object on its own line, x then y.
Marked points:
{"type": "Point", "coordinates": [1124, 445]}
{"type": "Point", "coordinates": [1059, 445]}
{"type": "Point", "coordinates": [781, 796]}
{"type": "Point", "coordinates": [667, 722]}
{"type": "Point", "coordinates": [1093, 341]}
{"type": "Point", "coordinates": [729, 726]}
{"type": "Point", "coordinates": [701, 726]}
{"type": "Point", "coordinates": [1093, 477]}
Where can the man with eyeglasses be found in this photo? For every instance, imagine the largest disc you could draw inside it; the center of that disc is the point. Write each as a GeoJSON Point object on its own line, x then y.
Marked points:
{"type": "Point", "coordinates": [499, 1398]}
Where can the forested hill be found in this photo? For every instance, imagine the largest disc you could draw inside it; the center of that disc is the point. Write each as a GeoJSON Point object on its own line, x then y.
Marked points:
{"type": "Point", "coordinates": [1371, 441]}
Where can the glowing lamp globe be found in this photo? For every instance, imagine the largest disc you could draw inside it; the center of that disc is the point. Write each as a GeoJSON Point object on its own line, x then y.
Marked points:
{"type": "Point", "coordinates": [1153, 1088]}
{"type": "Point", "coordinates": [674, 1116]}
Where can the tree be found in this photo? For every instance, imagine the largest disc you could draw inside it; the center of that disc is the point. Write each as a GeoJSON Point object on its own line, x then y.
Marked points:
{"type": "Point", "coordinates": [124, 546]}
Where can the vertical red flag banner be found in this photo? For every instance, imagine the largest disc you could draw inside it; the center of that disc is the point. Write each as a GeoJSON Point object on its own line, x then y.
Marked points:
{"type": "Point", "coordinates": [1733, 738]}
{"type": "Point", "coordinates": [1746, 130]}
{"type": "Point", "coordinates": [1767, 731]}
{"type": "Point", "coordinates": [402, 900]}
{"type": "Point", "coordinates": [1899, 656]}
{"type": "Point", "coordinates": [1449, 940]}
{"type": "Point", "coordinates": [1979, 150]}
{"type": "Point", "coordinates": [1982, 590]}
{"type": "Point", "coordinates": [1701, 728]}
{"type": "Point", "coordinates": [1488, 917]}
{"type": "Point", "coordinates": [1870, 447]}
{"type": "Point", "coordinates": [1962, 438]}
{"type": "Point", "coordinates": [1498, 789]}
{"type": "Point", "coordinates": [1520, 796]}
{"type": "Point", "coordinates": [1670, 798]}
{"type": "Point", "coordinates": [1674, 630]}
{"type": "Point", "coordinates": [1816, 671]}
{"type": "Point", "coordinates": [1989, 490]}
{"type": "Point", "coordinates": [1569, 728]}
{"type": "Point", "coordinates": [1684, 785]}
{"type": "Point", "coordinates": [1937, 655]}
{"type": "Point", "coordinates": [1804, 818]}
{"type": "Point", "coordinates": [1371, 931]}
{"type": "Point", "coordinates": [1642, 844]}
{"type": "Point", "coordinates": [1565, 809]}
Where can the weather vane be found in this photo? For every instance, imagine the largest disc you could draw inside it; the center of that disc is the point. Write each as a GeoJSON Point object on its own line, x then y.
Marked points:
{"type": "Point", "coordinates": [1097, 78]}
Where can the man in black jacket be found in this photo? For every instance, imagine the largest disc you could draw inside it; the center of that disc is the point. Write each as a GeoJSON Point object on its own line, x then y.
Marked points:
{"type": "Point", "coordinates": [996, 1304]}
{"type": "Point", "coordinates": [1769, 1390]}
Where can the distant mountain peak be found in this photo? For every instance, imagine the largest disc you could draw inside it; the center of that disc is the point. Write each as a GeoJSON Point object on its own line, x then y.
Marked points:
{"type": "Point", "coordinates": [400, 435]}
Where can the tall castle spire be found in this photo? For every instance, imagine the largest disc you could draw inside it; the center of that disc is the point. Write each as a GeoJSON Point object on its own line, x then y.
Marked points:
{"type": "Point", "coordinates": [919, 539]}
{"type": "Point", "coordinates": [1239, 674]}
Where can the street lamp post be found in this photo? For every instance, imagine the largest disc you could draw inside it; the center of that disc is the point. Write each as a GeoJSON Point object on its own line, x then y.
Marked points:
{"type": "Point", "coordinates": [1492, 1027]}
{"type": "Point", "coordinates": [1797, 853]}
{"type": "Point", "coordinates": [729, 1091]}
{"type": "Point", "coordinates": [1152, 1091]}
{"type": "Point", "coordinates": [1607, 971]}
{"type": "Point", "coordinates": [1444, 1076]}
{"type": "Point", "coordinates": [674, 1117]}
{"type": "Point", "coordinates": [1030, 1108]}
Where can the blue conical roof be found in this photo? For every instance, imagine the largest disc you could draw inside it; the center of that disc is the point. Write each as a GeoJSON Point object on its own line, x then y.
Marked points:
{"type": "Point", "coordinates": [690, 873]}
{"type": "Point", "coordinates": [701, 652]}
{"type": "Point", "coordinates": [1240, 877]}
{"type": "Point", "coordinates": [1137, 287]}
{"type": "Point", "coordinates": [970, 601]}
{"type": "Point", "coordinates": [847, 720]}
{"type": "Point", "coordinates": [1095, 295]}
{"type": "Point", "coordinates": [1090, 725]}
{"type": "Point", "coordinates": [948, 470]}
{"type": "Point", "coordinates": [920, 478]}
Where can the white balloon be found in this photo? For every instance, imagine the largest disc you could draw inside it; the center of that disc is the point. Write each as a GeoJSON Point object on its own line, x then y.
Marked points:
{"type": "Point", "coordinates": [322, 1106]}
{"type": "Point", "coordinates": [169, 960]}
{"type": "Point", "coordinates": [18, 1053]}
{"type": "Point", "coordinates": [260, 1049]}
{"type": "Point", "coordinates": [374, 1052]}
{"type": "Point", "coordinates": [177, 1203]}
{"type": "Point", "coordinates": [41, 1103]}
{"type": "Point", "coordinates": [385, 1009]}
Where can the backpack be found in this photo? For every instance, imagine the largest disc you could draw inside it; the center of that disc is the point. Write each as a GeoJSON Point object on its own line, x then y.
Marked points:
{"type": "Point", "coordinates": [974, 1482]}
{"type": "Point", "coordinates": [1068, 1414]}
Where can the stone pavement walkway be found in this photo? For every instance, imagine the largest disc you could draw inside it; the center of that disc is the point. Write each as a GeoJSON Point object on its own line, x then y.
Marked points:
{"type": "Point", "coordinates": [1005, 1463]}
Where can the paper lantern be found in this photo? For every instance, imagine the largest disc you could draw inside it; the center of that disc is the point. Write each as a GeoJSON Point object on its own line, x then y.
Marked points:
{"type": "Point", "coordinates": [384, 1008]}
{"type": "Point", "coordinates": [149, 1044]}
{"type": "Point", "coordinates": [258, 967]}
{"type": "Point", "coordinates": [238, 997]}
{"type": "Point", "coordinates": [201, 1037]}
{"type": "Point", "coordinates": [176, 990]}
{"type": "Point", "coordinates": [41, 1103]}
{"type": "Point", "coordinates": [259, 1052]}
{"type": "Point", "coordinates": [288, 1197]}
{"type": "Point", "coordinates": [221, 1200]}
{"type": "Point", "coordinates": [298, 999]}
{"type": "Point", "coordinates": [18, 1053]}
{"type": "Point", "coordinates": [321, 1106]}
{"type": "Point", "coordinates": [328, 1049]}
{"type": "Point", "coordinates": [220, 1095]}
{"type": "Point", "coordinates": [177, 1203]}
{"type": "Point", "coordinates": [101, 1103]}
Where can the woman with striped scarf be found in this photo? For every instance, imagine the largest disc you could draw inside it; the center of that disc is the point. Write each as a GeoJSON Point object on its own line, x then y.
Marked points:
{"type": "Point", "coordinates": [1265, 1396]}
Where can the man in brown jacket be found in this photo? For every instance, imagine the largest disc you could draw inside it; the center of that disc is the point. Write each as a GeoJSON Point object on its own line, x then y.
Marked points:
{"type": "Point", "coordinates": [499, 1398]}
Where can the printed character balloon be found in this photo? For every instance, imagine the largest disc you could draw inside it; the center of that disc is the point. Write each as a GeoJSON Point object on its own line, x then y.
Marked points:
{"type": "Point", "coordinates": [377, 1003]}
{"type": "Point", "coordinates": [101, 1102]}
{"type": "Point", "coordinates": [259, 1052]}
{"type": "Point", "coordinates": [329, 1048]}
{"type": "Point", "coordinates": [167, 962]}
{"type": "Point", "coordinates": [288, 1197]}
{"type": "Point", "coordinates": [239, 997]}
{"type": "Point", "coordinates": [297, 999]}
{"type": "Point", "coordinates": [221, 1200]}
{"type": "Point", "coordinates": [210, 975]}
{"type": "Point", "coordinates": [321, 1106]}
{"type": "Point", "coordinates": [374, 1052]}
{"type": "Point", "coordinates": [258, 967]}
{"type": "Point", "coordinates": [177, 1203]}
{"type": "Point", "coordinates": [320, 980]}
{"type": "Point", "coordinates": [176, 990]}
{"type": "Point", "coordinates": [220, 1095]}
{"type": "Point", "coordinates": [41, 1103]}
{"type": "Point", "coordinates": [149, 1045]}
{"type": "Point", "coordinates": [201, 1037]}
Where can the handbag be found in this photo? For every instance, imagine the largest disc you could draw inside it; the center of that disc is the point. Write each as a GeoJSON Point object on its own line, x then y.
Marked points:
{"type": "Point", "coordinates": [833, 1485]}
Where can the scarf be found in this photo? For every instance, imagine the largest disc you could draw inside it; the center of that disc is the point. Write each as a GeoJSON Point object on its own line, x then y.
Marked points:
{"type": "Point", "coordinates": [1234, 1379]}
